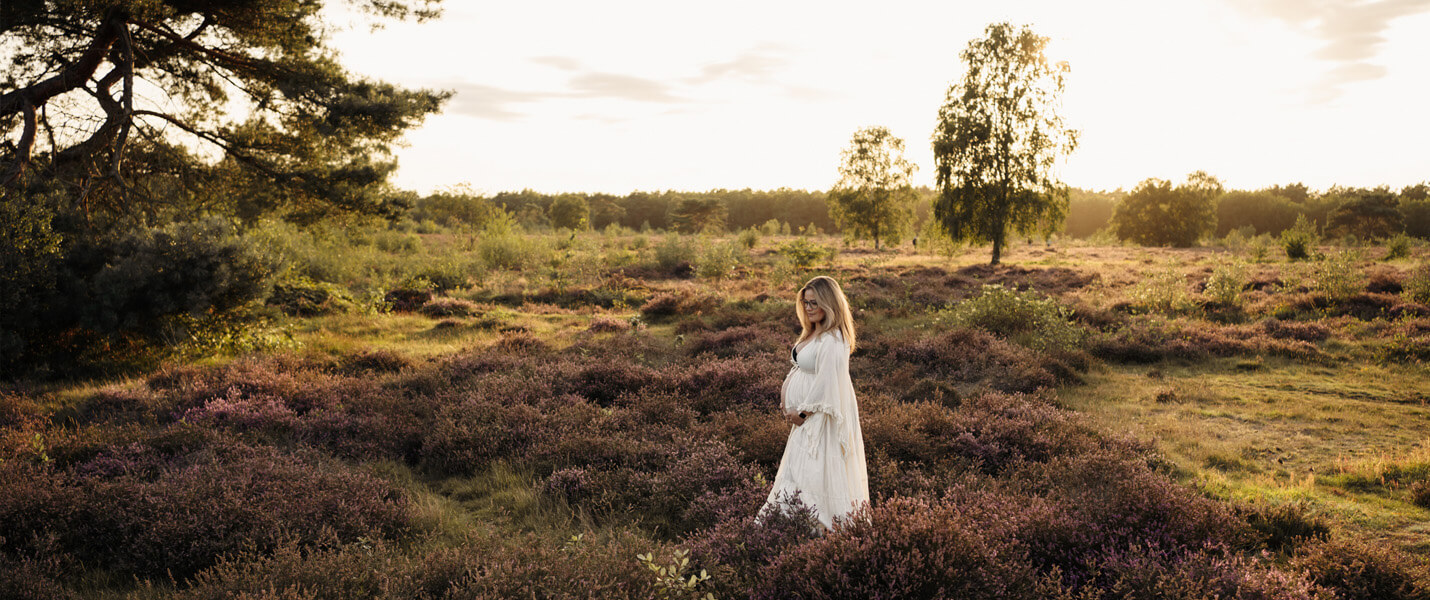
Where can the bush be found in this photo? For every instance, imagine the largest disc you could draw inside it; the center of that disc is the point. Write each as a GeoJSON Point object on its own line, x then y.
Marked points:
{"type": "Point", "coordinates": [304, 297]}
{"type": "Point", "coordinates": [803, 252]}
{"type": "Point", "coordinates": [1226, 282]}
{"type": "Point", "coordinates": [674, 251]}
{"type": "Point", "coordinates": [1358, 570]}
{"type": "Point", "coordinates": [1417, 285]}
{"type": "Point", "coordinates": [439, 308]}
{"type": "Point", "coordinates": [750, 237]}
{"type": "Point", "coordinates": [1028, 318]}
{"type": "Point", "coordinates": [680, 302]}
{"type": "Point", "coordinates": [1284, 527]}
{"type": "Point", "coordinates": [193, 508]}
{"type": "Point", "coordinates": [1398, 246]}
{"type": "Point", "coordinates": [1164, 291]}
{"type": "Point", "coordinates": [1337, 277]}
{"type": "Point", "coordinates": [1298, 240]}
{"type": "Point", "coordinates": [716, 260]}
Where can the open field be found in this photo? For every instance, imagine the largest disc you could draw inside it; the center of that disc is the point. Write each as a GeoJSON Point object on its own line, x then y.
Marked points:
{"type": "Point", "coordinates": [1100, 420]}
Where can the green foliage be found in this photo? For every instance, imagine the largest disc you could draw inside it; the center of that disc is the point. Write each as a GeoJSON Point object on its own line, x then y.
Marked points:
{"type": "Point", "coordinates": [700, 215]}
{"type": "Point", "coordinates": [749, 238]}
{"type": "Point", "coordinates": [162, 86]}
{"type": "Point", "coordinates": [670, 578]}
{"type": "Point", "coordinates": [1299, 239]}
{"type": "Point", "coordinates": [1263, 211]}
{"type": "Point", "coordinates": [772, 227]}
{"type": "Point", "coordinates": [1370, 214]}
{"type": "Point", "coordinates": [673, 251]}
{"type": "Point", "coordinates": [1157, 214]}
{"type": "Point", "coordinates": [874, 196]}
{"type": "Point", "coordinates": [717, 260]}
{"type": "Point", "coordinates": [1227, 280]}
{"type": "Point", "coordinates": [570, 211]}
{"type": "Point", "coordinates": [803, 252]}
{"type": "Point", "coordinates": [1027, 318]}
{"type": "Point", "coordinates": [1336, 275]}
{"type": "Point", "coordinates": [1162, 291]}
{"type": "Point", "coordinates": [1417, 284]}
{"type": "Point", "coordinates": [1416, 214]}
{"type": "Point", "coordinates": [1398, 246]}
{"type": "Point", "coordinates": [1088, 212]}
{"type": "Point", "coordinates": [457, 208]}
{"type": "Point", "coordinates": [998, 136]}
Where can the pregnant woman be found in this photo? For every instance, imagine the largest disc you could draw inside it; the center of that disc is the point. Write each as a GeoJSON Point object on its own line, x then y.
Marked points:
{"type": "Point", "coordinates": [823, 463]}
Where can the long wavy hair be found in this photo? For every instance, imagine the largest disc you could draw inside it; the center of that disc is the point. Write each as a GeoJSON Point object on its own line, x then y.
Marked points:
{"type": "Point", "coordinates": [829, 296]}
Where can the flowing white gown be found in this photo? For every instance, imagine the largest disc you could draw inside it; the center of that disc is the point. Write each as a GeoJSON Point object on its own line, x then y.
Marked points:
{"type": "Point", "coordinates": [823, 462]}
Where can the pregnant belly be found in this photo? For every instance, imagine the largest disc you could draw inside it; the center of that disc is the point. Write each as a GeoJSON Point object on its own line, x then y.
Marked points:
{"type": "Point", "coordinates": [796, 387]}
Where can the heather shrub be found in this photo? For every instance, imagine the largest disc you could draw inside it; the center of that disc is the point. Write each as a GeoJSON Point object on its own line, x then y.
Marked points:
{"type": "Point", "coordinates": [1292, 330]}
{"type": "Point", "coordinates": [181, 518]}
{"type": "Point", "coordinates": [34, 578]}
{"type": "Point", "coordinates": [1148, 574]}
{"type": "Point", "coordinates": [1357, 570]}
{"type": "Point", "coordinates": [465, 437]}
{"type": "Point", "coordinates": [1027, 318]}
{"type": "Point", "coordinates": [372, 362]}
{"type": "Point", "coordinates": [681, 302]}
{"type": "Point", "coordinates": [1284, 527]}
{"type": "Point", "coordinates": [1420, 493]}
{"type": "Point", "coordinates": [362, 569]}
{"type": "Point", "coordinates": [747, 341]}
{"type": "Point", "coordinates": [439, 308]}
{"type": "Point", "coordinates": [905, 548]}
{"type": "Point", "coordinates": [977, 358]}
{"type": "Point", "coordinates": [722, 384]}
{"type": "Point", "coordinates": [734, 551]}
{"type": "Point", "coordinates": [404, 299]}
{"type": "Point", "coordinates": [603, 382]}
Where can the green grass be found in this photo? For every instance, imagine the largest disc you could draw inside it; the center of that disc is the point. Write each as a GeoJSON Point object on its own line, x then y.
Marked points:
{"type": "Point", "coordinates": [1337, 436]}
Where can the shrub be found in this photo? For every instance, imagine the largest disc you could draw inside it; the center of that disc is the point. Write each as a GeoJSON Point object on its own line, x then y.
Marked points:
{"type": "Point", "coordinates": [803, 252]}
{"type": "Point", "coordinates": [673, 251]}
{"type": "Point", "coordinates": [680, 302]}
{"type": "Point", "coordinates": [1284, 527]}
{"type": "Point", "coordinates": [1164, 291]}
{"type": "Point", "coordinates": [1226, 282]}
{"type": "Point", "coordinates": [1398, 246]}
{"type": "Point", "coordinates": [1358, 570]}
{"type": "Point", "coordinates": [407, 299]}
{"type": "Point", "coordinates": [1417, 285]}
{"type": "Point", "coordinates": [1298, 240]}
{"type": "Point", "coordinates": [439, 308]}
{"type": "Point", "coordinates": [304, 297]}
{"type": "Point", "coordinates": [1420, 494]}
{"type": "Point", "coordinates": [1337, 277]}
{"type": "Point", "coordinates": [716, 260]}
{"type": "Point", "coordinates": [187, 514]}
{"type": "Point", "coordinates": [750, 237]}
{"type": "Point", "coordinates": [1028, 318]}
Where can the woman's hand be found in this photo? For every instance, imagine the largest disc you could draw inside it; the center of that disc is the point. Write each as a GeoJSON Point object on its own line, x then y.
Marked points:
{"type": "Point", "coordinates": [795, 419]}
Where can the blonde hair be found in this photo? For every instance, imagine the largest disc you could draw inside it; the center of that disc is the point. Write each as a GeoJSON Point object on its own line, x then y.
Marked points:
{"type": "Point", "coordinates": [836, 310]}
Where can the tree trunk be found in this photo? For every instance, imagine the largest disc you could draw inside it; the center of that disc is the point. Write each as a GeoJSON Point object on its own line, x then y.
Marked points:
{"type": "Point", "coordinates": [997, 249]}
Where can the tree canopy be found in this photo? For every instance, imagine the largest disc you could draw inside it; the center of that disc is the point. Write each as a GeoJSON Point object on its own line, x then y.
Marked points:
{"type": "Point", "coordinates": [875, 194]}
{"type": "Point", "coordinates": [998, 136]}
{"type": "Point", "coordinates": [198, 104]}
{"type": "Point", "coordinates": [1158, 214]}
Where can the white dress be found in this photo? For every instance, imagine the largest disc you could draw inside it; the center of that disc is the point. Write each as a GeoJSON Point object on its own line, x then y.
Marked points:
{"type": "Point", "coordinates": [823, 463]}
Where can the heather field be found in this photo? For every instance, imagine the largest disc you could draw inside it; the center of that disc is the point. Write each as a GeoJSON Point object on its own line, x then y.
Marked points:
{"type": "Point", "coordinates": [441, 415]}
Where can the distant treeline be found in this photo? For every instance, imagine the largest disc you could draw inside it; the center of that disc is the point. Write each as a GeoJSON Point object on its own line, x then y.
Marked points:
{"type": "Point", "coordinates": [1270, 211]}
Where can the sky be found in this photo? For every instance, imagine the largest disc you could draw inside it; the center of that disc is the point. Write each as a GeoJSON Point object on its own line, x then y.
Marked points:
{"type": "Point", "coordinates": [619, 96]}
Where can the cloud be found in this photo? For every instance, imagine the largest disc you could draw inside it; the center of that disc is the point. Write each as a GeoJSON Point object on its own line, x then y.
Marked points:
{"type": "Point", "coordinates": [757, 64]}
{"type": "Point", "coordinates": [565, 63]}
{"type": "Point", "coordinates": [621, 87]}
{"type": "Point", "coordinates": [1351, 32]}
{"type": "Point", "coordinates": [489, 102]}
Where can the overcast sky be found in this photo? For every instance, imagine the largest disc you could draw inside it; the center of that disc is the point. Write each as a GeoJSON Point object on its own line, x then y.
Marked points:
{"type": "Point", "coordinates": [618, 96]}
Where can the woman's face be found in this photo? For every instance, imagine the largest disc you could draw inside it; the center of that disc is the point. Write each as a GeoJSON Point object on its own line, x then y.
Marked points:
{"type": "Point", "coordinates": [812, 310]}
